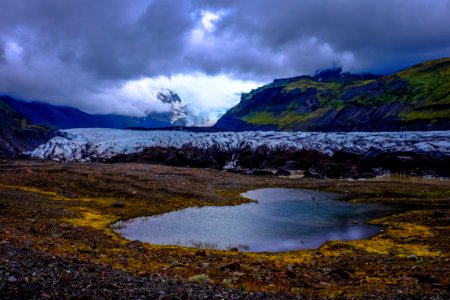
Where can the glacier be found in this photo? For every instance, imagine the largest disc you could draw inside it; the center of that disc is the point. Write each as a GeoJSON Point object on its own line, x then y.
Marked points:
{"type": "Point", "coordinates": [86, 144]}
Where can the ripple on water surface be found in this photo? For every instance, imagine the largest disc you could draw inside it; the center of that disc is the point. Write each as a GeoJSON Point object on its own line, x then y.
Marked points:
{"type": "Point", "coordinates": [281, 220]}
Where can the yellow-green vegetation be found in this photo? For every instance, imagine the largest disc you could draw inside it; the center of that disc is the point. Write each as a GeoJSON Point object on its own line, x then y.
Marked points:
{"type": "Point", "coordinates": [68, 209]}
{"type": "Point", "coordinates": [428, 115]}
{"type": "Point", "coordinates": [416, 95]}
{"type": "Point", "coordinates": [25, 124]}
{"type": "Point", "coordinates": [288, 120]}
{"type": "Point", "coordinates": [5, 108]}
{"type": "Point", "coordinates": [430, 81]}
{"type": "Point", "coordinates": [263, 118]}
{"type": "Point", "coordinates": [305, 84]}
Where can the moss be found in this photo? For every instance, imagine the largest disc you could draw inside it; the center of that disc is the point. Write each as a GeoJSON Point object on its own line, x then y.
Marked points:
{"type": "Point", "coordinates": [83, 227]}
{"type": "Point", "coordinates": [305, 84]}
{"type": "Point", "coordinates": [91, 218]}
{"type": "Point", "coordinates": [200, 278]}
{"type": "Point", "coordinates": [288, 120]}
{"type": "Point", "coordinates": [260, 118]}
{"type": "Point", "coordinates": [7, 109]}
{"type": "Point", "coordinates": [429, 81]}
{"type": "Point", "coordinates": [25, 124]}
{"type": "Point", "coordinates": [423, 89]}
{"type": "Point", "coordinates": [429, 115]}
{"type": "Point", "coordinates": [35, 190]}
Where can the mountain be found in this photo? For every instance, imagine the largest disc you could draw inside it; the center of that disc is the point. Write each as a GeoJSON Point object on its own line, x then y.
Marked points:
{"type": "Point", "coordinates": [417, 98]}
{"type": "Point", "coordinates": [59, 117]}
{"type": "Point", "coordinates": [178, 115]}
{"type": "Point", "coordinates": [18, 134]}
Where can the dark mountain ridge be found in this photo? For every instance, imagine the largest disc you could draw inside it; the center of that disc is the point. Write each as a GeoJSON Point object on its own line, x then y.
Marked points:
{"type": "Point", "coordinates": [26, 125]}
{"type": "Point", "coordinates": [18, 134]}
{"type": "Point", "coordinates": [63, 117]}
{"type": "Point", "coordinates": [417, 98]}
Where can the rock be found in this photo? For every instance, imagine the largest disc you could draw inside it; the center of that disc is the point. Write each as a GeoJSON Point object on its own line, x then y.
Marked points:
{"type": "Point", "coordinates": [232, 266]}
{"type": "Point", "coordinates": [323, 284]}
{"type": "Point", "coordinates": [201, 253]}
{"type": "Point", "coordinates": [344, 274]}
{"type": "Point", "coordinates": [206, 265]}
{"type": "Point", "coordinates": [424, 278]}
{"type": "Point", "coordinates": [290, 274]}
{"type": "Point", "coordinates": [118, 204]}
{"type": "Point", "coordinates": [312, 173]}
{"type": "Point", "coordinates": [12, 279]}
{"type": "Point", "coordinates": [258, 172]}
{"type": "Point", "coordinates": [404, 278]}
{"type": "Point", "coordinates": [438, 214]}
{"type": "Point", "coordinates": [282, 172]}
{"type": "Point", "coordinates": [135, 244]}
{"type": "Point", "coordinates": [413, 257]}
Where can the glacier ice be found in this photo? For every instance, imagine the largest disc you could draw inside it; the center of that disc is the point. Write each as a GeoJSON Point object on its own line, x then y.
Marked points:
{"type": "Point", "coordinates": [85, 144]}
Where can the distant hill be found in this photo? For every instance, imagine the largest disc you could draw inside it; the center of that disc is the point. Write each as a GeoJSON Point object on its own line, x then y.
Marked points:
{"type": "Point", "coordinates": [59, 117]}
{"type": "Point", "coordinates": [417, 98]}
{"type": "Point", "coordinates": [17, 133]}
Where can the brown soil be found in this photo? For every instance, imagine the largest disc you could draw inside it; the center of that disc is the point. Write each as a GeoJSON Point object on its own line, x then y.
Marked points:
{"type": "Point", "coordinates": [57, 243]}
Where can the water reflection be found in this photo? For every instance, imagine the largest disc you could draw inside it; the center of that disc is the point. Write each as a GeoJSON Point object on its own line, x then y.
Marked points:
{"type": "Point", "coordinates": [282, 220]}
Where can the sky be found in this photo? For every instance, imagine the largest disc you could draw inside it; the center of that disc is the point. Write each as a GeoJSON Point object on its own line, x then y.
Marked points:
{"type": "Point", "coordinates": [113, 56]}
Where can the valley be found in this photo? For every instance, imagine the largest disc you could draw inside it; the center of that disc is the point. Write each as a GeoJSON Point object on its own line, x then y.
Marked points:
{"type": "Point", "coordinates": [64, 189]}
{"type": "Point", "coordinates": [164, 149]}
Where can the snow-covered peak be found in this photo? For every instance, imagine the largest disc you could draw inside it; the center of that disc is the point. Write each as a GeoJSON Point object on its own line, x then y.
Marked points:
{"type": "Point", "coordinates": [178, 113]}
{"type": "Point", "coordinates": [168, 96]}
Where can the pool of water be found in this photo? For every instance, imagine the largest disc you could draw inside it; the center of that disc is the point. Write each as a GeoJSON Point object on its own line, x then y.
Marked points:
{"type": "Point", "coordinates": [281, 220]}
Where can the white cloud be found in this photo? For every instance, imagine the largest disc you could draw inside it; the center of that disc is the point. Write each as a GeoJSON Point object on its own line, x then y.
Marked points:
{"type": "Point", "coordinates": [13, 52]}
{"type": "Point", "coordinates": [206, 25]}
{"type": "Point", "coordinates": [209, 19]}
{"type": "Point", "coordinates": [202, 92]}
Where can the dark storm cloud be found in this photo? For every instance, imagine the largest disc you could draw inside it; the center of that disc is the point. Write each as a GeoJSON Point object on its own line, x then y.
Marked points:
{"type": "Point", "coordinates": [82, 52]}
{"type": "Point", "coordinates": [374, 35]}
{"type": "Point", "coordinates": [2, 52]}
{"type": "Point", "coordinates": [151, 45]}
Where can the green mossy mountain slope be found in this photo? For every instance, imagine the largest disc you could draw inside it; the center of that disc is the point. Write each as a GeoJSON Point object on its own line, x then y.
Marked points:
{"type": "Point", "coordinates": [417, 98]}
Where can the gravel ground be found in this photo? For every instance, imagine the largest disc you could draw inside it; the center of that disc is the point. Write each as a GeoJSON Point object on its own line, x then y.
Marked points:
{"type": "Point", "coordinates": [29, 274]}
{"type": "Point", "coordinates": [55, 240]}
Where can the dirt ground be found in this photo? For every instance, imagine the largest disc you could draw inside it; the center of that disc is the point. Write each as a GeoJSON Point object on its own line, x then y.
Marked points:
{"type": "Point", "coordinates": [61, 214]}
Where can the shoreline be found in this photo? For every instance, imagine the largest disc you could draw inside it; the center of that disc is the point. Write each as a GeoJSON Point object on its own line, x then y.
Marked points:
{"type": "Point", "coordinates": [65, 210]}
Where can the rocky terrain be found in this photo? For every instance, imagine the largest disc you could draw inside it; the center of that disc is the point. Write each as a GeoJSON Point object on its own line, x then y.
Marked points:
{"type": "Point", "coordinates": [321, 155]}
{"type": "Point", "coordinates": [18, 134]}
{"type": "Point", "coordinates": [57, 243]}
{"type": "Point", "coordinates": [31, 274]}
{"type": "Point", "coordinates": [417, 98]}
